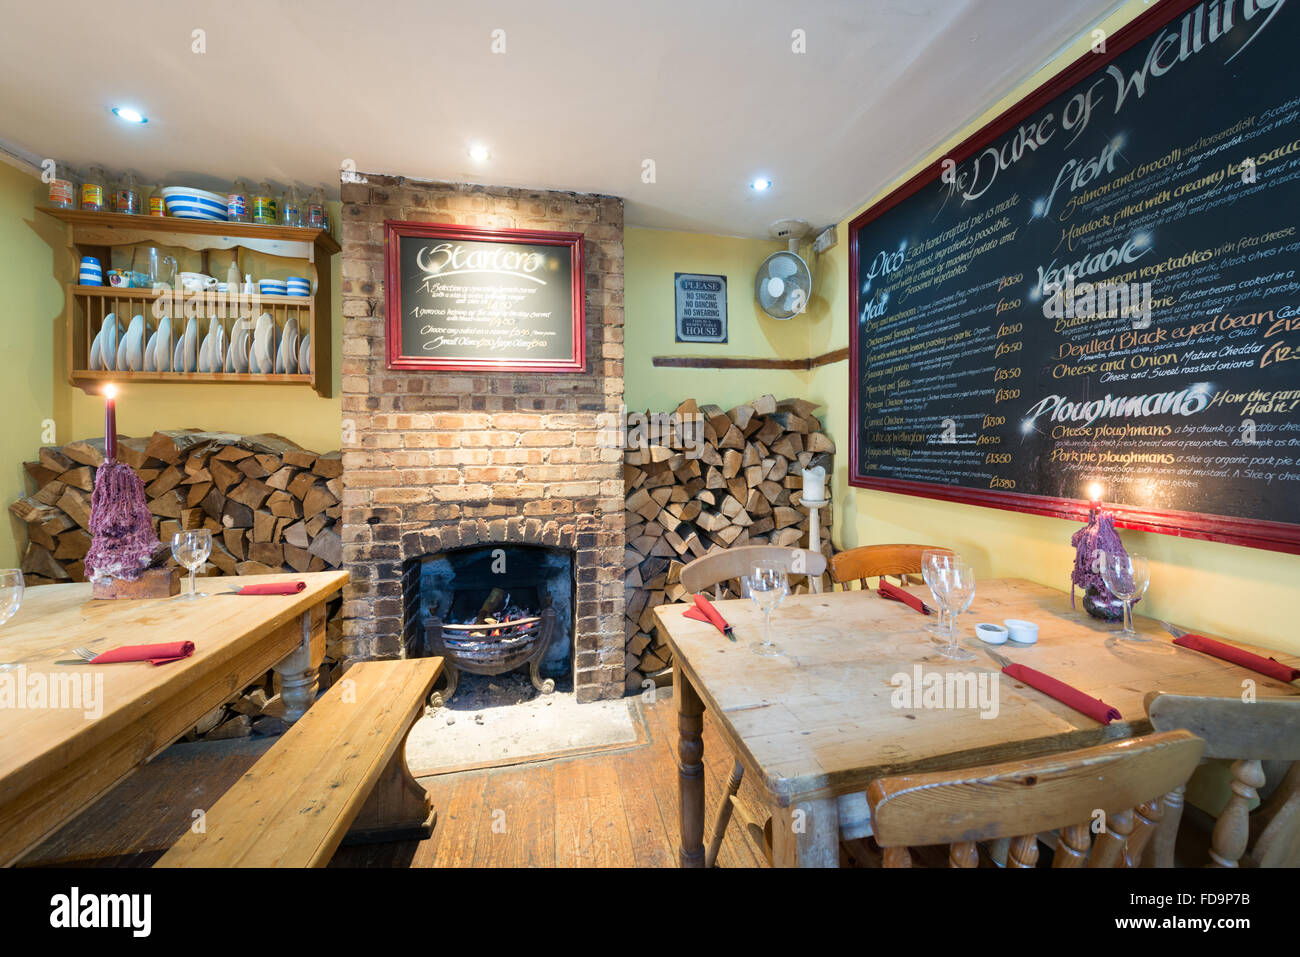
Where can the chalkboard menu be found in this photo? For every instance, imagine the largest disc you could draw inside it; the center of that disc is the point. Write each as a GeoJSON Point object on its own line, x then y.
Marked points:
{"type": "Point", "coordinates": [467, 299]}
{"type": "Point", "coordinates": [1103, 285]}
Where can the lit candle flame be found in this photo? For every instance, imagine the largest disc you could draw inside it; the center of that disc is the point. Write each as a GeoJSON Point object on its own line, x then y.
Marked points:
{"type": "Point", "coordinates": [1094, 491]}
{"type": "Point", "coordinates": [110, 391]}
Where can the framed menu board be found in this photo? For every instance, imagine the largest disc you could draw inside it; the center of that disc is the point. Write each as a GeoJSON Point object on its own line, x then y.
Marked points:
{"type": "Point", "coordinates": [1102, 285]}
{"type": "Point", "coordinates": [466, 299]}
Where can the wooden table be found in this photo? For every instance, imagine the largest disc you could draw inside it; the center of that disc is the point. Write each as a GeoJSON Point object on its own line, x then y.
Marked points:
{"type": "Point", "coordinates": [815, 725]}
{"type": "Point", "coordinates": [55, 761]}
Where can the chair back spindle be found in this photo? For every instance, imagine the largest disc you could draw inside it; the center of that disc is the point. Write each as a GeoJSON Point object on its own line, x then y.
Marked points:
{"type": "Point", "coordinates": [1073, 794]}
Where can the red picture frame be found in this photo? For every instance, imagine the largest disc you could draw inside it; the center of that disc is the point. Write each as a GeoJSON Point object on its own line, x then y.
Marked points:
{"type": "Point", "coordinates": [1254, 533]}
{"type": "Point", "coordinates": [397, 230]}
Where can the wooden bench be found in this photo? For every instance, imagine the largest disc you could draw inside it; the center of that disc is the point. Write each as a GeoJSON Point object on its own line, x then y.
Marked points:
{"type": "Point", "coordinates": [339, 772]}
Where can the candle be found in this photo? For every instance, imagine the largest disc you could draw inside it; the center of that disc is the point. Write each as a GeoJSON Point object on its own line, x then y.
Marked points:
{"type": "Point", "coordinates": [814, 484]}
{"type": "Point", "coordinates": [1094, 495]}
{"type": "Point", "coordinates": [110, 423]}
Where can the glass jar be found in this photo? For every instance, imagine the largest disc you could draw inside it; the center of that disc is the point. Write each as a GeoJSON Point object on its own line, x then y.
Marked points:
{"type": "Point", "coordinates": [264, 205]}
{"type": "Point", "coordinates": [237, 210]}
{"type": "Point", "coordinates": [127, 196]}
{"type": "Point", "coordinates": [63, 191]}
{"type": "Point", "coordinates": [92, 190]}
{"type": "Point", "coordinates": [316, 210]}
{"type": "Point", "coordinates": [291, 207]}
{"type": "Point", "coordinates": [158, 202]}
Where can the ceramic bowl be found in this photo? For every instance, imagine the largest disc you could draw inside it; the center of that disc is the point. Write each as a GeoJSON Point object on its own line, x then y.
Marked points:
{"type": "Point", "coordinates": [1021, 632]}
{"type": "Point", "coordinates": [990, 633]}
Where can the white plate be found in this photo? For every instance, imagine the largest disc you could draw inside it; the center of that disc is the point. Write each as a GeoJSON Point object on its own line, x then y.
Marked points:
{"type": "Point", "coordinates": [304, 355]}
{"type": "Point", "coordinates": [150, 351]}
{"type": "Point", "coordinates": [287, 358]}
{"type": "Point", "coordinates": [108, 342]}
{"type": "Point", "coordinates": [131, 351]}
{"type": "Point", "coordinates": [163, 360]}
{"type": "Point", "coordinates": [263, 349]}
{"type": "Point", "coordinates": [189, 347]}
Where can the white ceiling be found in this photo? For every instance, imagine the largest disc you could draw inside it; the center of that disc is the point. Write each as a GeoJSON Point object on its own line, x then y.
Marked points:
{"type": "Point", "coordinates": [585, 92]}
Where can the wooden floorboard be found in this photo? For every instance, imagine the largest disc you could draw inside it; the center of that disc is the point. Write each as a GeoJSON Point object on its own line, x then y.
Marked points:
{"type": "Point", "coordinates": [605, 809]}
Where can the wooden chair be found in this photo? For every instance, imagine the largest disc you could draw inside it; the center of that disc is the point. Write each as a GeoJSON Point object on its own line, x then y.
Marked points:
{"type": "Point", "coordinates": [1248, 733]}
{"type": "Point", "coordinates": [729, 564]}
{"type": "Point", "coordinates": [874, 561]}
{"type": "Point", "coordinates": [709, 572]}
{"type": "Point", "coordinates": [1019, 799]}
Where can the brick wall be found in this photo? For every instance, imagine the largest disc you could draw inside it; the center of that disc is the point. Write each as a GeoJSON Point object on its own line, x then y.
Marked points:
{"type": "Point", "coordinates": [434, 461]}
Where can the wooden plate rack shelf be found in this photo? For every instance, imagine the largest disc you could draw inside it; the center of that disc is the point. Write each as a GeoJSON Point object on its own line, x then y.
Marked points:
{"type": "Point", "coordinates": [291, 250]}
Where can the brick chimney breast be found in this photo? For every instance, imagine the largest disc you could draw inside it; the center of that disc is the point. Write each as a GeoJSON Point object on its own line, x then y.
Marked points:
{"type": "Point", "coordinates": [435, 461]}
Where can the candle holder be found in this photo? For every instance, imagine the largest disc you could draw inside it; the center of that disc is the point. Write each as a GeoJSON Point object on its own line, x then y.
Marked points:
{"type": "Point", "coordinates": [814, 487]}
{"type": "Point", "coordinates": [125, 559]}
{"type": "Point", "coordinates": [1097, 536]}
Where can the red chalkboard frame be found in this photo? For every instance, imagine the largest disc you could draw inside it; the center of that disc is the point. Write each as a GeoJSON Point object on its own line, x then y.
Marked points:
{"type": "Point", "coordinates": [1274, 536]}
{"type": "Point", "coordinates": [395, 230]}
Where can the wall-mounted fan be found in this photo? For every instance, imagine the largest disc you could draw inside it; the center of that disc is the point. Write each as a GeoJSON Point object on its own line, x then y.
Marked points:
{"type": "Point", "coordinates": [783, 285]}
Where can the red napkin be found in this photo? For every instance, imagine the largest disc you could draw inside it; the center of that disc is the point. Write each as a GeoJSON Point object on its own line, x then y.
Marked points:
{"type": "Point", "coordinates": [704, 611]}
{"type": "Point", "coordinates": [154, 654]}
{"type": "Point", "coordinates": [273, 588]}
{"type": "Point", "coordinates": [1239, 656]}
{"type": "Point", "coordinates": [1094, 708]}
{"type": "Point", "coordinates": [895, 593]}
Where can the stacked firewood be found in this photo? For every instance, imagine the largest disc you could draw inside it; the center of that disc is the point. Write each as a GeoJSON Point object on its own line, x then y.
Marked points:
{"type": "Point", "coordinates": [707, 480]}
{"type": "Point", "coordinates": [271, 505]}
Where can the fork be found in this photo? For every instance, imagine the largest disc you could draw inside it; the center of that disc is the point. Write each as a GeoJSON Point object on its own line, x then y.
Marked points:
{"type": "Point", "coordinates": [85, 653]}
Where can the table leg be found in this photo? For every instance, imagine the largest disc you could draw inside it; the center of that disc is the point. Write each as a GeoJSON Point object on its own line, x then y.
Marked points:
{"type": "Point", "coordinates": [299, 669]}
{"type": "Point", "coordinates": [806, 834]}
{"type": "Point", "coordinates": [690, 770]}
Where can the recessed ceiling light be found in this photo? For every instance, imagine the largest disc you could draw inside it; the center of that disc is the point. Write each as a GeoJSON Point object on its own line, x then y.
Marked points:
{"type": "Point", "coordinates": [480, 154]}
{"type": "Point", "coordinates": [130, 115]}
{"type": "Point", "coordinates": [760, 184]}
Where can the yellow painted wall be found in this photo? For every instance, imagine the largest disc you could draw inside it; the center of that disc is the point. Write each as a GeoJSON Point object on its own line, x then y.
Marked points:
{"type": "Point", "coordinates": [1238, 592]}
{"type": "Point", "coordinates": [32, 305]}
{"type": "Point", "coordinates": [651, 257]}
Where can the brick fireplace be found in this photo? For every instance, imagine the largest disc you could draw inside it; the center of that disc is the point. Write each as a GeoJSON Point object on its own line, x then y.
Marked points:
{"type": "Point", "coordinates": [436, 462]}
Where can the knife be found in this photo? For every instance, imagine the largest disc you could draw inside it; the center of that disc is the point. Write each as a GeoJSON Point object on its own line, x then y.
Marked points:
{"type": "Point", "coordinates": [1002, 660]}
{"type": "Point", "coordinates": [1173, 629]}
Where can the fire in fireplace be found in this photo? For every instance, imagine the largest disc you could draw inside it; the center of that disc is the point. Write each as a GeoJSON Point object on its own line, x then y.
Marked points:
{"type": "Point", "coordinates": [491, 609]}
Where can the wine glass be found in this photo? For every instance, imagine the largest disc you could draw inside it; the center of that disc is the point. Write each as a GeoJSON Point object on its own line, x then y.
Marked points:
{"type": "Point", "coordinates": [192, 549]}
{"type": "Point", "coordinates": [11, 596]}
{"type": "Point", "coordinates": [1127, 577]}
{"type": "Point", "coordinates": [955, 592]}
{"type": "Point", "coordinates": [932, 559]}
{"type": "Point", "coordinates": [767, 585]}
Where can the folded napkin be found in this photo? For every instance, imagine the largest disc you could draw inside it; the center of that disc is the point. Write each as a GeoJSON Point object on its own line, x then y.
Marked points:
{"type": "Point", "coordinates": [273, 588]}
{"type": "Point", "coordinates": [704, 611]}
{"type": "Point", "coordinates": [1094, 708]}
{"type": "Point", "coordinates": [154, 654]}
{"type": "Point", "coordinates": [895, 593]}
{"type": "Point", "coordinates": [1239, 656]}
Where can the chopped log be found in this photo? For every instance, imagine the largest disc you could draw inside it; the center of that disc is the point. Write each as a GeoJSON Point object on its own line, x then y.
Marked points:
{"type": "Point", "coordinates": [741, 485]}
{"type": "Point", "coordinates": [328, 547]}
